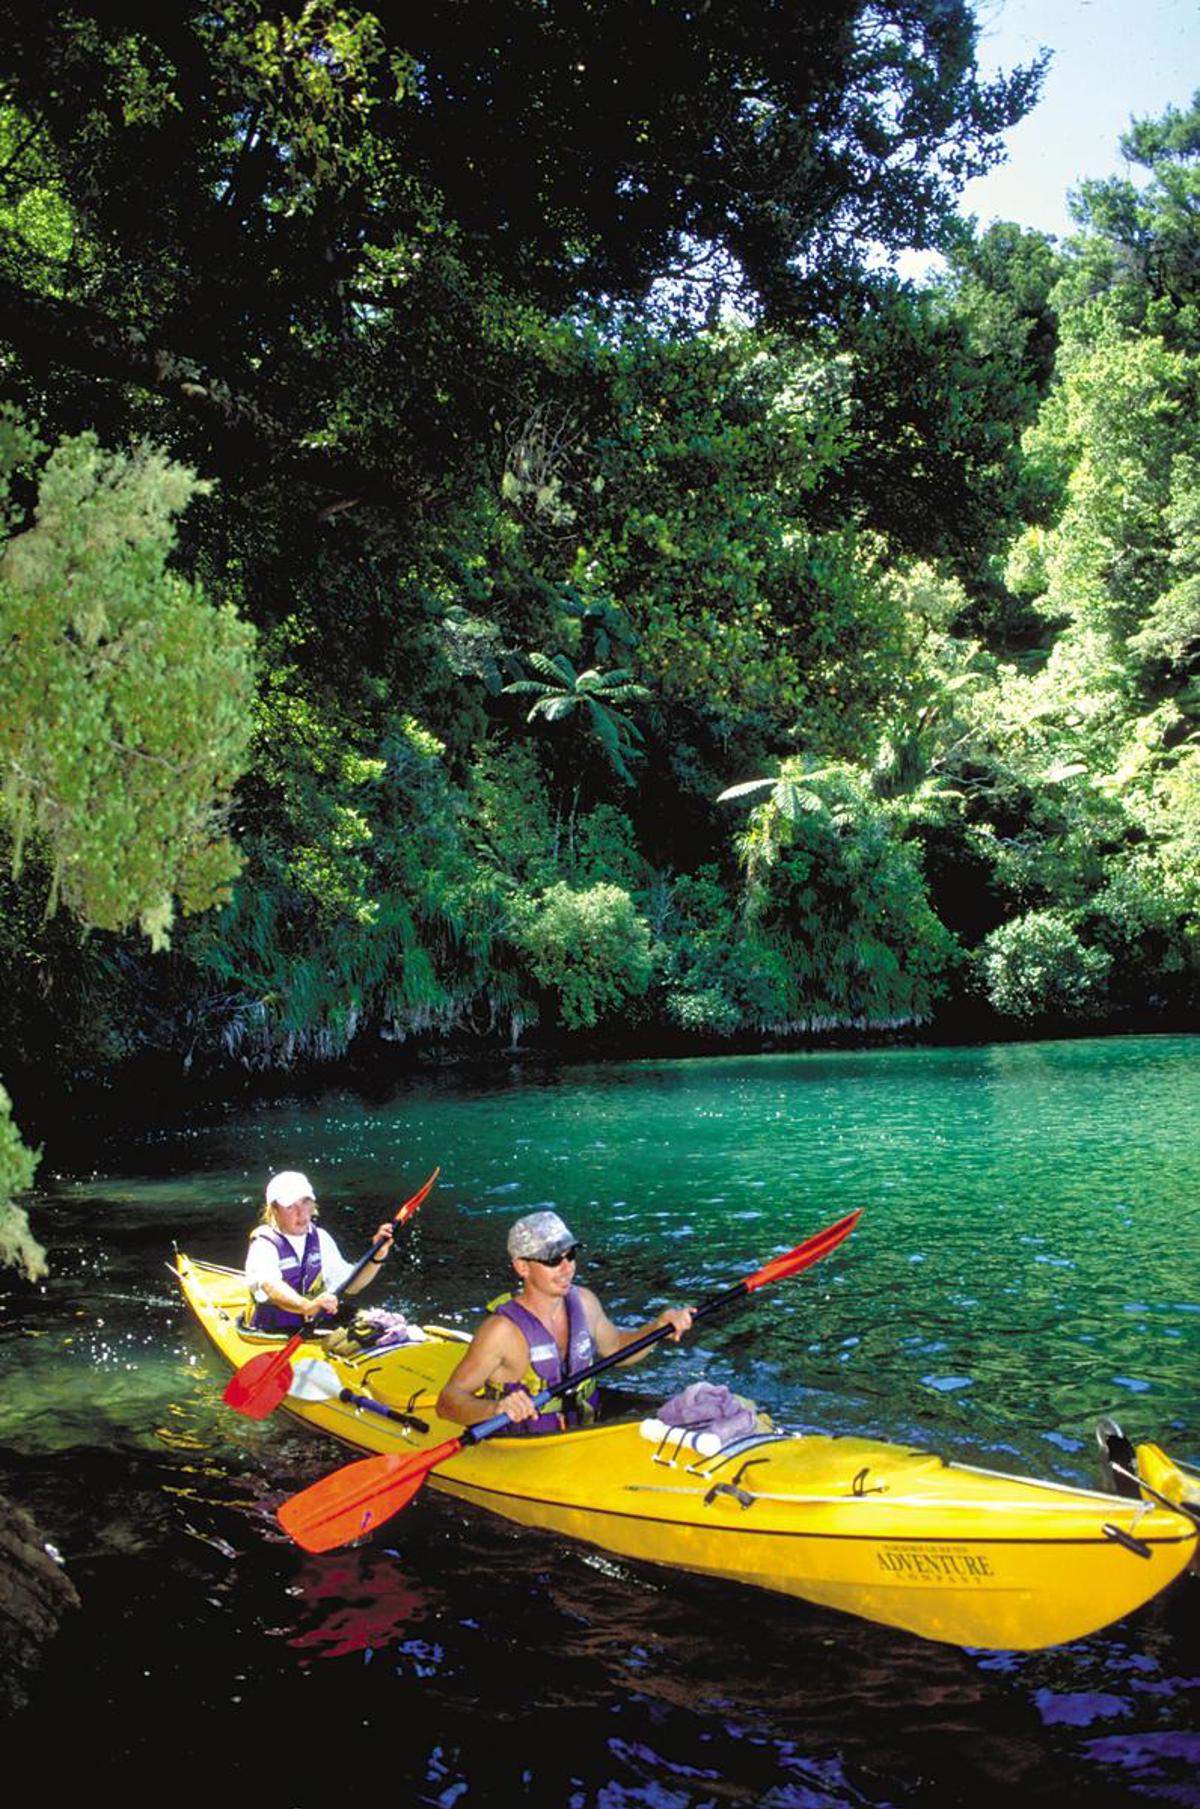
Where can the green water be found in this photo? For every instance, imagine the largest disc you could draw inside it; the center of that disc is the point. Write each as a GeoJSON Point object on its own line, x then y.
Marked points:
{"type": "Point", "coordinates": [1026, 1261]}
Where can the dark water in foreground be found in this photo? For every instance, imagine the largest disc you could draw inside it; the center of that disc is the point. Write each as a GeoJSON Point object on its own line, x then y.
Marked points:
{"type": "Point", "coordinates": [1027, 1261]}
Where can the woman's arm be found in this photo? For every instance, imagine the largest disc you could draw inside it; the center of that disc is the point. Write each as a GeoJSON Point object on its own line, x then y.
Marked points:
{"type": "Point", "coordinates": [383, 1237]}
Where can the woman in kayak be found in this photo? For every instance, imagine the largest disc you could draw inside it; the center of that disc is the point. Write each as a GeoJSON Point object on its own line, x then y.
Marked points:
{"type": "Point", "coordinates": [548, 1330]}
{"type": "Point", "coordinates": [291, 1266]}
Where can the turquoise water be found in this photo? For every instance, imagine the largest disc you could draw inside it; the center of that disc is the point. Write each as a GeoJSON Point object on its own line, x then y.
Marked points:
{"type": "Point", "coordinates": [1026, 1262]}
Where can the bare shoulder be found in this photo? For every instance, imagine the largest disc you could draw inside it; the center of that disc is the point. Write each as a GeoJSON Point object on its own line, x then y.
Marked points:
{"type": "Point", "coordinates": [494, 1355]}
{"type": "Point", "coordinates": [498, 1341]}
{"type": "Point", "coordinates": [593, 1312]}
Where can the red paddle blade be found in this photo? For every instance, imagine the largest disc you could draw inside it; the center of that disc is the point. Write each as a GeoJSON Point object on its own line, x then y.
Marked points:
{"type": "Point", "coordinates": [259, 1385]}
{"type": "Point", "coordinates": [805, 1254]}
{"type": "Point", "coordinates": [410, 1206]}
{"type": "Point", "coordinates": [358, 1497]}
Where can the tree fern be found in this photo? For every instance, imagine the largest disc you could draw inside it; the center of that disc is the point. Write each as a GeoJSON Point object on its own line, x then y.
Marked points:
{"type": "Point", "coordinates": [562, 690]}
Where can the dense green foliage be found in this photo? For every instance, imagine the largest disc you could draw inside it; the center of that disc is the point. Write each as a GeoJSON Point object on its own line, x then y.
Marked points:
{"type": "Point", "coordinates": [124, 695]}
{"type": "Point", "coordinates": [18, 1165]}
{"type": "Point", "coordinates": [124, 713]}
{"type": "Point", "coordinates": [545, 547]}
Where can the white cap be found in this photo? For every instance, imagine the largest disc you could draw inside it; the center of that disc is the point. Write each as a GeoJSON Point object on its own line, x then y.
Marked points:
{"type": "Point", "coordinates": [289, 1188]}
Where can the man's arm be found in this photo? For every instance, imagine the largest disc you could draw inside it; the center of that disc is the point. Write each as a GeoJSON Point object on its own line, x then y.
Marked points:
{"type": "Point", "coordinates": [496, 1355]}
{"type": "Point", "coordinates": [609, 1339]}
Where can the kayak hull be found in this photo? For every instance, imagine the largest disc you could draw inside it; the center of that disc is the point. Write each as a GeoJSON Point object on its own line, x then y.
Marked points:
{"type": "Point", "coordinates": [904, 1538]}
{"type": "Point", "coordinates": [941, 1550]}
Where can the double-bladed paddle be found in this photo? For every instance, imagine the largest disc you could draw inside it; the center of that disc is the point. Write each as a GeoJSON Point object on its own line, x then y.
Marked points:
{"type": "Point", "coordinates": [360, 1496]}
{"type": "Point", "coordinates": [259, 1385]}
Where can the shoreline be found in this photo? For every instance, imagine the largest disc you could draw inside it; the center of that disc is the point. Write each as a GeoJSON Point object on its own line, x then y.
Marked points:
{"type": "Point", "coordinates": [148, 1090]}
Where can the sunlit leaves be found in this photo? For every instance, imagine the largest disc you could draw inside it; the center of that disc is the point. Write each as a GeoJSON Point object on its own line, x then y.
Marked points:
{"type": "Point", "coordinates": [787, 797]}
{"type": "Point", "coordinates": [836, 891]}
{"type": "Point", "coordinates": [36, 224]}
{"type": "Point", "coordinates": [562, 691]}
{"type": "Point", "coordinates": [1037, 968]}
{"type": "Point", "coordinates": [18, 1165]}
{"type": "Point", "coordinates": [590, 949]}
{"type": "Point", "coordinates": [712, 450]}
{"type": "Point", "coordinates": [124, 712]}
{"type": "Point", "coordinates": [124, 695]}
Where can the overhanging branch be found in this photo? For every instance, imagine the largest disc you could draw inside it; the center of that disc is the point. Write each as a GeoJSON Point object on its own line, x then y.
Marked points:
{"type": "Point", "coordinates": [48, 334]}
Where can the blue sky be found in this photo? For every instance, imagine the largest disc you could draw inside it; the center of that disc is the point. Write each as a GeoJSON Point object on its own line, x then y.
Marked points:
{"type": "Point", "coordinates": [1114, 60]}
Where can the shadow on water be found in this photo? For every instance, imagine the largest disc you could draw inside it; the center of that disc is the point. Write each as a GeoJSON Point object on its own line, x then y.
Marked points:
{"type": "Point", "coordinates": [993, 1302]}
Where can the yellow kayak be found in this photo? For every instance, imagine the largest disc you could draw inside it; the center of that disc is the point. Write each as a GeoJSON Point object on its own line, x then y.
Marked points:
{"type": "Point", "coordinates": [945, 1550]}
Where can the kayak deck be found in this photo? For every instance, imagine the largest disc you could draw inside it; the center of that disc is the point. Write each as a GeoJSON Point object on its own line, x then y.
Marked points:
{"type": "Point", "coordinates": [945, 1550]}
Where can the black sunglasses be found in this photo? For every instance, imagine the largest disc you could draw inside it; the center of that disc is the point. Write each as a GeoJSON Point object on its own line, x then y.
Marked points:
{"type": "Point", "coordinates": [558, 1256]}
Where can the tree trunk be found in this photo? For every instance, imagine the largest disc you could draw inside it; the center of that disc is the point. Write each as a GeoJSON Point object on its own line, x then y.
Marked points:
{"type": "Point", "coordinates": [35, 1593]}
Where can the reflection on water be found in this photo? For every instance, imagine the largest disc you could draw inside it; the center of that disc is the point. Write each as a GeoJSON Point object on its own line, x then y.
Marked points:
{"type": "Point", "coordinates": [364, 1604]}
{"type": "Point", "coordinates": [1026, 1262]}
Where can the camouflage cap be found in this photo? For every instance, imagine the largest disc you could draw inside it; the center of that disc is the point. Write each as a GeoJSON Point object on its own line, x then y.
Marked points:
{"type": "Point", "coordinates": [538, 1236]}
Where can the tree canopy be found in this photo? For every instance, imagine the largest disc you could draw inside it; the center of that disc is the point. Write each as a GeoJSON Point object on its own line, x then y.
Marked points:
{"type": "Point", "coordinates": [493, 551]}
{"type": "Point", "coordinates": [301, 232]}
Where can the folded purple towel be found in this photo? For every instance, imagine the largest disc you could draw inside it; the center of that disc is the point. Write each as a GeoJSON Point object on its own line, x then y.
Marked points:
{"type": "Point", "coordinates": [392, 1328]}
{"type": "Point", "coordinates": [710, 1407]}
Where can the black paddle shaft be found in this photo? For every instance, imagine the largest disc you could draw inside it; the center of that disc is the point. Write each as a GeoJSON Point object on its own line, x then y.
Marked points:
{"type": "Point", "coordinates": [802, 1257]}
{"type": "Point", "coordinates": [656, 1333]}
{"type": "Point", "coordinates": [405, 1211]}
{"type": "Point", "coordinates": [320, 1319]}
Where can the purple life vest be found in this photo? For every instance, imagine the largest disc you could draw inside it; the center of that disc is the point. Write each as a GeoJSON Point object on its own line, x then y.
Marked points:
{"type": "Point", "coordinates": [545, 1360]}
{"type": "Point", "coordinates": [300, 1272]}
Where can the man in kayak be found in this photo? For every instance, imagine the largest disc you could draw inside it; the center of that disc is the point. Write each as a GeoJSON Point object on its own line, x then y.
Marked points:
{"type": "Point", "coordinates": [291, 1266]}
{"type": "Point", "coordinates": [549, 1329]}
